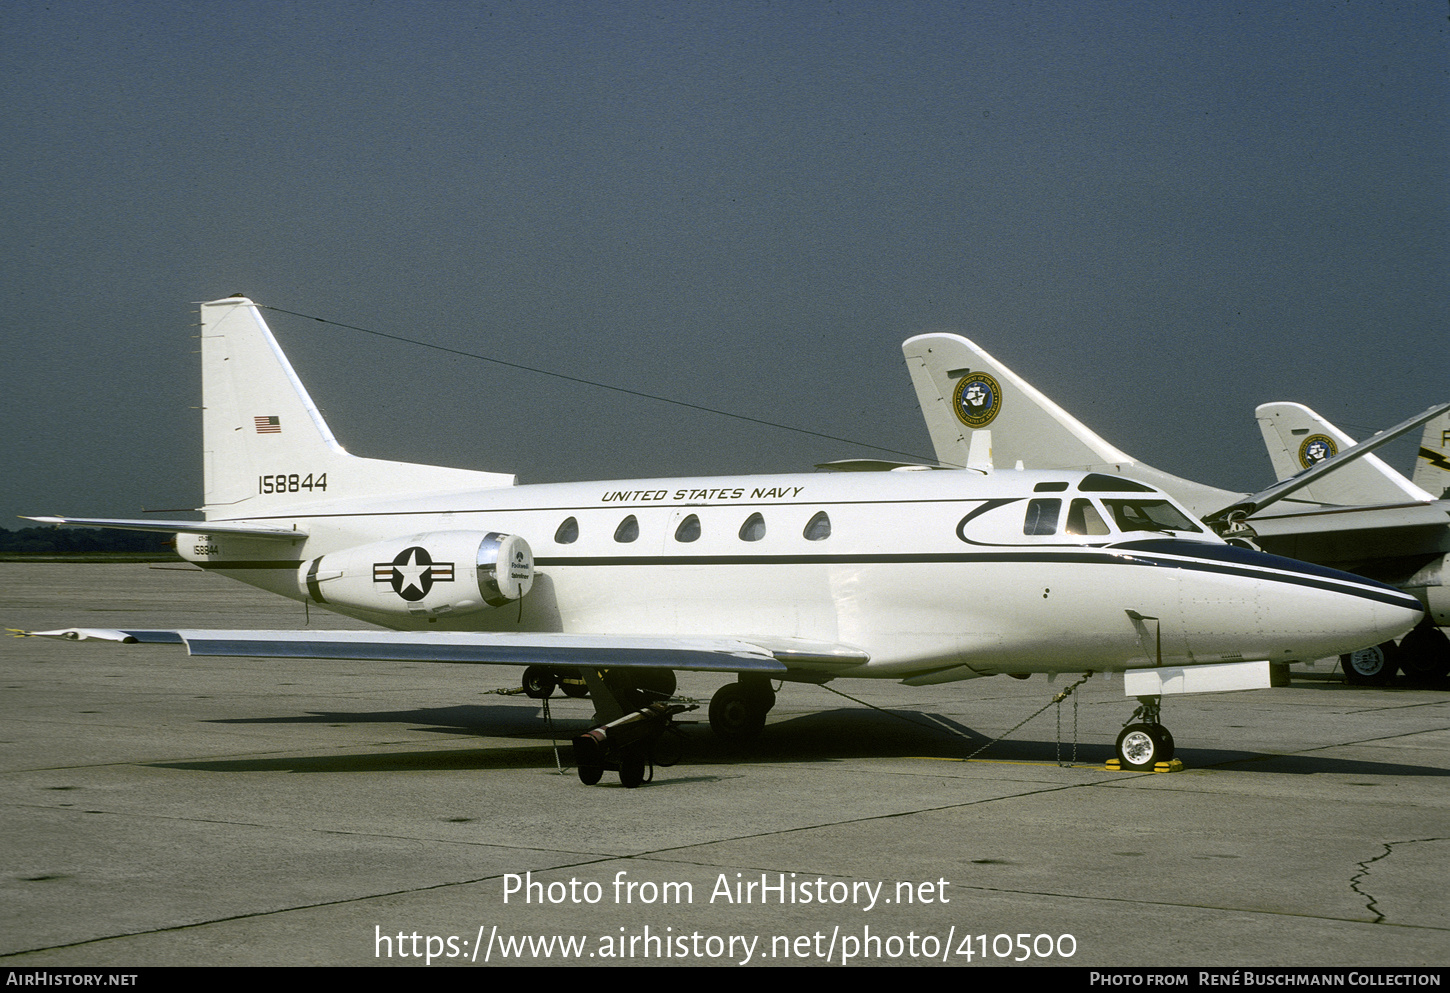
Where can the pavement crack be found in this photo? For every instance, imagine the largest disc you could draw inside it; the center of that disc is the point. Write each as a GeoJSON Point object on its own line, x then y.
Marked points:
{"type": "Point", "coordinates": [1371, 903]}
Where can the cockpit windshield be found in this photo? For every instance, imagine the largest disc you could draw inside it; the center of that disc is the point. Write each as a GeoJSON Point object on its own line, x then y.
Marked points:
{"type": "Point", "coordinates": [1148, 515]}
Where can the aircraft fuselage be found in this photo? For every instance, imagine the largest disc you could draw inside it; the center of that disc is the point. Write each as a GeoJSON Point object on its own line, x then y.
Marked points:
{"type": "Point", "coordinates": [921, 571]}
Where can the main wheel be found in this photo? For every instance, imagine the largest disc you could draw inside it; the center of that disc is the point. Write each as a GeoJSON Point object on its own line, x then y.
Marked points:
{"type": "Point", "coordinates": [1425, 655]}
{"type": "Point", "coordinates": [1141, 746]}
{"type": "Point", "coordinates": [736, 714]}
{"type": "Point", "coordinates": [538, 682]}
{"type": "Point", "coordinates": [577, 689]}
{"type": "Point", "coordinates": [1370, 666]}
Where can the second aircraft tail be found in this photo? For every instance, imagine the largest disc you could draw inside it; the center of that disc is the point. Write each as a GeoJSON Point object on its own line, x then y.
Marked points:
{"type": "Point", "coordinates": [1297, 438]}
{"type": "Point", "coordinates": [963, 390]}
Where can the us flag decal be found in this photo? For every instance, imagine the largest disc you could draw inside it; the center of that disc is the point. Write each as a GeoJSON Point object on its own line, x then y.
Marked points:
{"type": "Point", "coordinates": [268, 425]}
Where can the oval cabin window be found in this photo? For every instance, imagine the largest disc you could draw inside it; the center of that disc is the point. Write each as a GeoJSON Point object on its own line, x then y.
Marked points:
{"type": "Point", "coordinates": [568, 532]}
{"type": "Point", "coordinates": [818, 528]}
{"type": "Point", "coordinates": [628, 529]}
{"type": "Point", "coordinates": [689, 529]}
{"type": "Point", "coordinates": [753, 529]}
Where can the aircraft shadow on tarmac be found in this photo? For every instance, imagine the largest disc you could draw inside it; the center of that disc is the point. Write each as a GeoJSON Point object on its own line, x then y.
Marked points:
{"type": "Point", "coordinates": [821, 736]}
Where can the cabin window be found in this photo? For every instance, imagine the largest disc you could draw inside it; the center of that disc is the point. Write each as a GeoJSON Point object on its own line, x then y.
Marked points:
{"type": "Point", "coordinates": [1148, 515]}
{"type": "Point", "coordinates": [1042, 517]}
{"type": "Point", "coordinates": [689, 529]}
{"type": "Point", "coordinates": [818, 528]}
{"type": "Point", "coordinates": [1049, 487]}
{"type": "Point", "coordinates": [568, 532]}
{"type": "Point", "coordinates": [628, 529]}
{"type": "Point", "coordinates": [1083, 518]}
{"type": "Point", "coordinates": [753, 529]}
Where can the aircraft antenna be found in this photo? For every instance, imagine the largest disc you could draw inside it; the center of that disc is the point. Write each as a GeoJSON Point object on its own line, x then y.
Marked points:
{"type": "Point", "coordinates": [603, 386]}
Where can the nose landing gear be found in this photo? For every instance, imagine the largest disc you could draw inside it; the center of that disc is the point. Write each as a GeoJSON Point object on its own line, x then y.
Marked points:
{"type": "Point", "coordinates": [1144, 742]}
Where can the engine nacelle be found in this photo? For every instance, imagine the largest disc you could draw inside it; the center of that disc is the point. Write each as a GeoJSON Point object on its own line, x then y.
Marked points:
{"type": "Point", "coordinates": [1432, 585]}
{"type": "Point", "coordinates": [445, 572]}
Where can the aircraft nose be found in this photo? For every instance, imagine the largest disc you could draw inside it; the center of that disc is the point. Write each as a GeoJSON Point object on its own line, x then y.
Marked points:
{"type": "Point", "coordinates": [1319, 612]}
{"type": "Point", "coordinates": [1294, 610]}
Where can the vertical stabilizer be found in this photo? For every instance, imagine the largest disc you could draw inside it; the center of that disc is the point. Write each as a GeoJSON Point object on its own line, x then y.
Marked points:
{"type": "Point", "coordinates": [1432, 467]}
{"type": "Point", "coordinates": [267, 449]}
{"type": "Point", "coordinates": [963, 390]}
{"type": "Point", "coordinates": [1297, 438]}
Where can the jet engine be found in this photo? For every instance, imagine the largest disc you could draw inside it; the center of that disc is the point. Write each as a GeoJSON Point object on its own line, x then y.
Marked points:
{"type": "Point", "coordinates": [445, 572]}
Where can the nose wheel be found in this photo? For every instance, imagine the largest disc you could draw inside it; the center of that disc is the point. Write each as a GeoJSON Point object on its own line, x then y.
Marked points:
{"type": "Point", "coordinates": [1144, 742]}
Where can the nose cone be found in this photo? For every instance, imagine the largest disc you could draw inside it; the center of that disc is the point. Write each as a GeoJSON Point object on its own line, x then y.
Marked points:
{"type": "Point", "coordinates": [1314, 612]}
{"type": "Point", "coordinates": [1300, 611]}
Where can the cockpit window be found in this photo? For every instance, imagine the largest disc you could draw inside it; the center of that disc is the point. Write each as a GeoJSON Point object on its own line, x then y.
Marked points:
{"type": "Point", "coordinates": [1148, 515]}
{"type": "Point", "coordinates": [1083, 518]}
{"type": "Point", "coordinates": [1097, 482]}
{"type": "Point", "coordinates": [1041, 517]}
{"type": "Point", "coordinates": [628, 529]}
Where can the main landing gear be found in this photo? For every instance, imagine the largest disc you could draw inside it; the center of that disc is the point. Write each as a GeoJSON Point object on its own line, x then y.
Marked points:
{"type": "Point", "coordinates": [1374, 666]}
{"type": "Point", "coordinates": [1423, 656]}
{"type": "Point", "coordinates": [1143, 743]}
{"type": "Point", "coordinates": [738, 709]}
{"type": "Point", "coordinates": [539, 682]}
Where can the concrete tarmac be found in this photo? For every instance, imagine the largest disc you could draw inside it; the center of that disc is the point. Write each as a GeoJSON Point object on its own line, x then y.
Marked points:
{"type": "Point", "coordinates": [164, 810]}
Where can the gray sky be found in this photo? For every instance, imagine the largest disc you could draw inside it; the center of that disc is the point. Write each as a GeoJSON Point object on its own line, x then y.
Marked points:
{"type": "Point", "coordinates": [1161, 214]}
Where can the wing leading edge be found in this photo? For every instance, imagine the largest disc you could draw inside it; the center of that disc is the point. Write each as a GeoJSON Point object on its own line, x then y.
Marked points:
{"type": "Point", "coordinates": [602, 651]}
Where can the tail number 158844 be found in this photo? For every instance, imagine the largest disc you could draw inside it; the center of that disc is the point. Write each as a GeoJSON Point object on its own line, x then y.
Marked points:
{"type": "Point", "coordinates": [294, 483]}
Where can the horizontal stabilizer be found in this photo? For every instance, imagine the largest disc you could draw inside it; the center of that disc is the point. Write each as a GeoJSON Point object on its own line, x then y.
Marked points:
{"type": "Point", "coordinates": [177, 527]}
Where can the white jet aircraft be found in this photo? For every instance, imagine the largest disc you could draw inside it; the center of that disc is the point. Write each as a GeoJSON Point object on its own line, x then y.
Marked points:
{"type": "Point", "coordinates": [1348, 510]}
{"type": "Point", "coordinates": [921, 576]}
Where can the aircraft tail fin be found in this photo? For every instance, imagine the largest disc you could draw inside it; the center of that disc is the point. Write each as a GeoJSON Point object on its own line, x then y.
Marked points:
{"type": "Point", "coordinates": [267, 448]}
{"type": "Point", "coordinates": [1432, 467]}
{"type": "Point", "coordinates": [963, 390]}
{"type": "Point", "coordinates": [1297, 438]}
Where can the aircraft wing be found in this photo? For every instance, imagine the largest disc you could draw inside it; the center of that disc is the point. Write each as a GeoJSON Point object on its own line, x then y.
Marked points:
{"type": "Point", "coordinates": [1387, 516]}
{"type": "Point", "coordinates": [176, 527]}
{"type": "Point", "coordinates": [766, 656]}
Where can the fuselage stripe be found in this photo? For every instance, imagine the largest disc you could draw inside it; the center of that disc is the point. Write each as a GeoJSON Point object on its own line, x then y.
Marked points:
{"type": "Point", "coordinates": [1369, 590]}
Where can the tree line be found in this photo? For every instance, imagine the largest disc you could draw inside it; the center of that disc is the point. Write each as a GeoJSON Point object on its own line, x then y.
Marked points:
{"type": "Point", "coordinates": [81, 541]}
